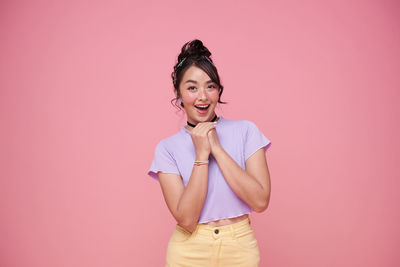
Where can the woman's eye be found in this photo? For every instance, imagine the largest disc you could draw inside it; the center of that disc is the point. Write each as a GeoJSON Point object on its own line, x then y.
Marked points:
{"type": "Point", "coordinates": [212, 87]}
{"type": "Point", "coordinates": [191, 88]}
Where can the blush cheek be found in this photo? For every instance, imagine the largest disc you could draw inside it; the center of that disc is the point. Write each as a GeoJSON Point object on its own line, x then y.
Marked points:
{"type": "Point", "coordinates": [214, 96]}
{"type": "Point", "coordinates": [189, 99]}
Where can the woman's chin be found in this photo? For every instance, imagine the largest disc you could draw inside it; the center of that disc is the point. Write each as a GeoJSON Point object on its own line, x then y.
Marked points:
{"type": "Point", "coordinates": [199, 119]}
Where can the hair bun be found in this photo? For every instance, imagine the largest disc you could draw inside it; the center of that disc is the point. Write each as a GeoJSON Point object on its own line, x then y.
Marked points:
{"type": "Point", "coordinates": [194, 49]}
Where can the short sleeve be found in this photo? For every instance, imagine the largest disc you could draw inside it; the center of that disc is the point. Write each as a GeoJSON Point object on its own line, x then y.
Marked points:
{"type": "Point", "coordinates": [162, 162]}
{"type": "Point", "coordinates": [255, 140]}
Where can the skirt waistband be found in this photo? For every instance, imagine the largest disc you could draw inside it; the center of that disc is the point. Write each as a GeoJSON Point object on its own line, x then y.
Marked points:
{"type": "Point", "coordinates": [223, 228]}
{"type": "Point", "coordinates": [232, 230]}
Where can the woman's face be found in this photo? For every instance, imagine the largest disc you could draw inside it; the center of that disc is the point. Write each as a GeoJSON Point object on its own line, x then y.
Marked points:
{"type": "Point", "coordinates": [199, 95]}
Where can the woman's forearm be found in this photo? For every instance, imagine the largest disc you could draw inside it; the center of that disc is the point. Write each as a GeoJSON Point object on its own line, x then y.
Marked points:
{"type": "Point", "coordinates": [245, 186]}
{"type": "Point", "coordinates": [192, 200]}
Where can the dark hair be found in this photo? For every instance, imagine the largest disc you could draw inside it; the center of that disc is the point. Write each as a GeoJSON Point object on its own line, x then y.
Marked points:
{"type": "Point", "coordinates": [194, 53]}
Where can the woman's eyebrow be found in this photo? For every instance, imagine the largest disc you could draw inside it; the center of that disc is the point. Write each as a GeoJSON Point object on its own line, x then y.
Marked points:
{"type": "Point", "coordinates": [191, 81]}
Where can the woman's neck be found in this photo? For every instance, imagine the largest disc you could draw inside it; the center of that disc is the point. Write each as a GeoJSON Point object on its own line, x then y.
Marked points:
{"type": "Point", "coordinates": [190, 126]}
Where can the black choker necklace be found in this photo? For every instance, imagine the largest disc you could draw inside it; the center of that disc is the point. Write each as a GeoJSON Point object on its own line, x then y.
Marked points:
{"type": "Point", "coordinates": [194, 125]}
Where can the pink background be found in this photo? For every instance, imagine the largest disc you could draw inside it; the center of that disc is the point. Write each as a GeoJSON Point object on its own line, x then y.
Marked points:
{"type": "Point", "coordinates": [85, 94]}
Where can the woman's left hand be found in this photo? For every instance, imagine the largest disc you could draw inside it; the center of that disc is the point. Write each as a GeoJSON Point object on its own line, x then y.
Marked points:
{"type": "Point", "coordinates": [214, 141]}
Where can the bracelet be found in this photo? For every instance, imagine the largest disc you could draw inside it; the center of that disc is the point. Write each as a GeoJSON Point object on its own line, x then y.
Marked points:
{"type": "Point", "coordinates": [200, 162]}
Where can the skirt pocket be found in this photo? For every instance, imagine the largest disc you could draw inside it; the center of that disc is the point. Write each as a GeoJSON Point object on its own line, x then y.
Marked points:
{"type": "Point", "coordinates": [247, 240]}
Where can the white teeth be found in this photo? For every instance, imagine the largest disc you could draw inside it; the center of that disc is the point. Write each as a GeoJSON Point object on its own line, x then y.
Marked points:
{"type": "Point", "coordinates": [202, 106]}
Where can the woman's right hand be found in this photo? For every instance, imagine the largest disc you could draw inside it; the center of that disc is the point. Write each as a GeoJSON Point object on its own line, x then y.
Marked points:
{"type": "Point", "coordinates": [199, 136]}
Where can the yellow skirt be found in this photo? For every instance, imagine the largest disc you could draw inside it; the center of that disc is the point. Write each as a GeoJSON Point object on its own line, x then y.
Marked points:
{"type": "Point", "coordinates": [228, 245]}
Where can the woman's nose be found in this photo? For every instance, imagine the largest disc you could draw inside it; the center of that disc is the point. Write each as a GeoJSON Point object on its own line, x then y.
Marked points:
{"type": "Point", "coordinates": [202, 94]}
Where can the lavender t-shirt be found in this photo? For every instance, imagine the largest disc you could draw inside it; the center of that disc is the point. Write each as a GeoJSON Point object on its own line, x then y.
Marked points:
{"type": "Point", "coordinates": [176, 154]}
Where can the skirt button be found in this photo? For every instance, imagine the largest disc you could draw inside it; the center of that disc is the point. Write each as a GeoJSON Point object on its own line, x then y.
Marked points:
{"type": "Point", "coordinates": [216, 231]}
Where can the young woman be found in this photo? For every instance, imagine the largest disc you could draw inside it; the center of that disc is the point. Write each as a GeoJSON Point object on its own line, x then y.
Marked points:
{"type": "Point", "coordinates": [213, 172]}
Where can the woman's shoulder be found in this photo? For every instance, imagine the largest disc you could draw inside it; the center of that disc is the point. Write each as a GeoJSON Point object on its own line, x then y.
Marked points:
{"type": "Point", "coordinates": [241, 127]}
{"type": "Point", "coordinates": [243, 124]}
{"type": "Point", "coordinates": [170, 141]}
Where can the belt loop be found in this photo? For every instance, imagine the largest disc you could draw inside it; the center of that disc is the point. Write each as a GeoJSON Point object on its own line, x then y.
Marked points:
{"type": "Point", "coordinates": [249, 220]}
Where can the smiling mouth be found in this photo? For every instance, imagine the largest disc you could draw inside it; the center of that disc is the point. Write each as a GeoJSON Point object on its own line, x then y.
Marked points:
{"type": "Point", "coordinates": [202, 107]}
